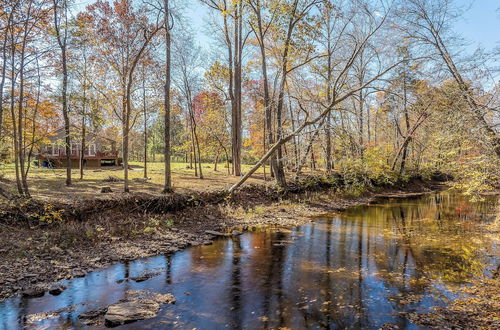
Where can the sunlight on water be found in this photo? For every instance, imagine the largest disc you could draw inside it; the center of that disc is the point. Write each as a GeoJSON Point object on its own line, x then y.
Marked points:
{"type": "Point", "coordinates": [358, 269]}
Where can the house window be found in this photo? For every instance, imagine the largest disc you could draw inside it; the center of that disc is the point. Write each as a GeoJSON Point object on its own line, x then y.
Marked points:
{"type": "Point", "coordinates": [92, 150]}
{"type": "Point", "coordinates": [75, 149]}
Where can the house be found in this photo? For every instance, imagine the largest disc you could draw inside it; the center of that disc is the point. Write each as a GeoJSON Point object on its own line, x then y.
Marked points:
{"type": "Point", "coordinates": [99, 151]}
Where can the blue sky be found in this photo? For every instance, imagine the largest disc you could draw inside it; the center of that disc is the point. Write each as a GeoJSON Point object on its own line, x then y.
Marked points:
{"type": "Point", "coordinates": [480, 24]}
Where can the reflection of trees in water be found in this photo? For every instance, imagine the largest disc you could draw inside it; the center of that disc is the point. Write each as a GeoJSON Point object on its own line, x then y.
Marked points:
{"type": "Point", "coordinates": [168, 269]}
{"type": "Point", "coordinates": [431, 236]}
{"type": "Point", "coordinates": [340, 273]}
{"type": "Point", "coordinates": [208, 256]}
{"type": "Point", "coordinates": [235, 289]}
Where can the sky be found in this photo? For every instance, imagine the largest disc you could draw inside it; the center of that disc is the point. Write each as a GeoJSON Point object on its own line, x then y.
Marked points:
{"type": "Point", "coordinates": [480, 24]}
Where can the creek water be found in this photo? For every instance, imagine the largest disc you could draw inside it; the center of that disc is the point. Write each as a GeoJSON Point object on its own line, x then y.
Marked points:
{"type": "Point", "coordinates": [363, 268]}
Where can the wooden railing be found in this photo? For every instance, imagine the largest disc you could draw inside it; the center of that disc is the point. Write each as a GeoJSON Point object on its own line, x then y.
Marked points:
{"type": "Point", "coordinates": [75, 153]}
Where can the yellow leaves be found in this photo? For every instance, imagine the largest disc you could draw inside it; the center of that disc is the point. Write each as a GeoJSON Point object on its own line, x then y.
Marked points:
{"type": "Point", "coordinates": [50, 215]}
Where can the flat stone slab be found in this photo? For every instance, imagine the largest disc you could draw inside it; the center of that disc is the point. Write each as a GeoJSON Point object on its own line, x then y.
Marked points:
{"type": "Point", "coordinates": [137, 305]}
{"type": "Point", "coordinates": [131, 311]}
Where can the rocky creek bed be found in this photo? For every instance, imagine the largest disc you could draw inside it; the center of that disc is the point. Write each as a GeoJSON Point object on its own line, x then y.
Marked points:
{"type": "Point", "coordinates": [33, 274]}
{"type": "Point", "coordinates": [82, 239]}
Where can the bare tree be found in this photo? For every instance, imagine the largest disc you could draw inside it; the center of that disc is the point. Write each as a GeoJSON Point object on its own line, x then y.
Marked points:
{"type": "Point", "coordinates": [168, 26]}
{"type": "Point", "coordinates": [60, 8]}
{"type": "Point", "coordinates": [235, 42]}
{"type": "Point", "coordinates": [352, 48]}
{"type": "Point", "coordinates": [428, 22]}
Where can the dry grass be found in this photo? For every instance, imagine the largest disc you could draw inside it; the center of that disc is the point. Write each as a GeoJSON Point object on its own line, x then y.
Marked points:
{"type": "Point", "coordinates": [49, 184]}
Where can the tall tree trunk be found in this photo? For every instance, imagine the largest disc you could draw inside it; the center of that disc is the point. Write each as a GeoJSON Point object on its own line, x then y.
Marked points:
{"type": "Point", "coordinates": [231, 75]}
{"type": "Point", "coordinates": [62, 41]}
{"type": "Point", "coordinates": [199, 151]}
{"type": "Point", "coordinates": [125, 132]}
{"type": "Point", "coordinates": [145, 123]}
{"type": "Point", "coordinates": [83, 143]}
{"type": "Point", "coordinates": [13, 115]}
{"type": "Point", "coordinates": [66, 116]}
{"type": "Point", "coordinates": [295, 142]}
{"type": "Point", "coordinates": [328, 128]}
{"type": "Point", "coordinates": [361, 123]}
{"type": "Point", "coordinates": [236, 108]}
{"type": "Point", "coordinates": [128, 104]}
{"type": "Point", "coordinates": [269, 136]}
{"type": "Point", "coordinates": [84, 115]}
{"type": "Point", "coordinates": [3, 73]}
{"type": "Point", "coordinates": [166, 101]}
{"type": "Point", "coordinates": [216, 161]}
{"type": "Point", "coordinates": [280, 171]}
{"type": "Point", "coordinates": [34, 119]}
{"type": "Point", "coordinates": [193, 147]}
{"type": "Point", "coordinates": [20, 118]}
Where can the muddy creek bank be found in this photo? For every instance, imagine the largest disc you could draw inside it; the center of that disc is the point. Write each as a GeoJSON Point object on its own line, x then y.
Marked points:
{"type": "Point", "coordinates": [367, 267]}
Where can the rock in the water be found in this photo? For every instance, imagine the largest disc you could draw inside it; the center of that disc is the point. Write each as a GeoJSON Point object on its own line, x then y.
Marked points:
{"type": "Point", "coordinates": [33, 292]}
{"type": "Point", "coordinates": [93, 314]}
{"type": "Point", "coordinates": [141, 278]}
{"type": "Point", "coordinates": [56, 289]}
{"type": "Point", "coordinates": [215, 233]}
{"type": "Point", "coordinates": [236, 233]}
{"type": "Point", "coordinates": [131, 311]}
{"type": "Point", "coordinates": [106, 190]}
{"type": "Point", "coordinates": [166, 298]}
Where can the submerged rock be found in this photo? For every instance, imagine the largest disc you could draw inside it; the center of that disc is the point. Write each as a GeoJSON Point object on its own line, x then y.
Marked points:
{"type": "Point", "coordinates": [33, 292]}
{"type": "Point", "coordinates": [57, 289]}
{"type": "Point", "coordinates": [137, 305]}
{"type": "Point", "coordinates": [93, 314]}
{"type": "Point", "coordinates": [144, 277]}
{"type": "Point", "coordinates": [160, 298]}
{"type": "Point", "coordinates": [131, 311]}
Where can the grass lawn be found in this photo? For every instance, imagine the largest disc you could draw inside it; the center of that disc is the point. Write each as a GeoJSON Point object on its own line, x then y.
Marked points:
{"type": "Point", "coordinates": [47, 183]}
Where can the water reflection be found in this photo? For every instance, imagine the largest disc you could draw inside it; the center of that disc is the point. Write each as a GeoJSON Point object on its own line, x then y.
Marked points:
{"type": "Point", "coordinates": [359, 269]}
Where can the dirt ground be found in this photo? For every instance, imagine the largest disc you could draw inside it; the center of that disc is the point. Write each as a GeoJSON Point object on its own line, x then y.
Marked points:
{"type": "Point", "coordinates": [43, 242]}
{"type": "Point", "coordinates": [67, 232]}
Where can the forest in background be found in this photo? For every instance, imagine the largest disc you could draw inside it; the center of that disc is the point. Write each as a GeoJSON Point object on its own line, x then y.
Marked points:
{"type": "Point", "coordinates": [374, 91]}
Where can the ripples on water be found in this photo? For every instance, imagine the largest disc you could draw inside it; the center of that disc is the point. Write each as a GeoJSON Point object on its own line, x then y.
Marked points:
{"type": "Point", "coordinates": [357, 269]}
